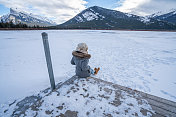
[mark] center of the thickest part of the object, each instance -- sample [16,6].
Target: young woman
[81,59]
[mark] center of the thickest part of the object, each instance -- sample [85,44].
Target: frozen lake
[141,60]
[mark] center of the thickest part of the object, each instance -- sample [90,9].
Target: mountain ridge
[101,18]
[169,16]
[17,16]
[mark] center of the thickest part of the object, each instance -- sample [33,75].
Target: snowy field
[145,61]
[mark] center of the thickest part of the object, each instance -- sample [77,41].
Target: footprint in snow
[155,79]
[166,93]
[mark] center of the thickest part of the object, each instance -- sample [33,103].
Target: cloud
[145,7]
[58,10]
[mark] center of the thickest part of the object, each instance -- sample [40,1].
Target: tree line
[19,25]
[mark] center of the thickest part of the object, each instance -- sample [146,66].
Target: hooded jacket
[81,61]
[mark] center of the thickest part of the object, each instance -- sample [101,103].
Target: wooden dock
[159,107]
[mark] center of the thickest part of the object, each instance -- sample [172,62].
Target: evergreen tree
[19,25]
[11,24]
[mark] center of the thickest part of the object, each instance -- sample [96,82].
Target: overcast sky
[62,10]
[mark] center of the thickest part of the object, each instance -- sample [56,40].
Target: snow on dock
[80,97]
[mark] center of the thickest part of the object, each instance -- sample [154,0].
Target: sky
[62,10]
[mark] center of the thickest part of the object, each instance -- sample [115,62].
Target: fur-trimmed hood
[81,55]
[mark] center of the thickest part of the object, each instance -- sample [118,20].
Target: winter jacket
[81,61]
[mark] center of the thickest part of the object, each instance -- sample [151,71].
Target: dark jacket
[81,61]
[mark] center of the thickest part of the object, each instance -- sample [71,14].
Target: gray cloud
[59,10]
[146,7]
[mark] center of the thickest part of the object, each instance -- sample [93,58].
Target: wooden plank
[162,112]
[159,99]
[164,106]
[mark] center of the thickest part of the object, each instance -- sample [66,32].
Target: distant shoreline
[22,29]
[14,29]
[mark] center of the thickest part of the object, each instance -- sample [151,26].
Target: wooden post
[48,59]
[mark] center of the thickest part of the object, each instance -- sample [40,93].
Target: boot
[96,70]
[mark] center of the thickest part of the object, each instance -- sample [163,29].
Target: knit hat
[82,47]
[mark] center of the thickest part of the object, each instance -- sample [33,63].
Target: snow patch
[88,15]
[145,19]
[129,15]
[79,19]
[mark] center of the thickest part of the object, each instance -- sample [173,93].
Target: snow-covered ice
[142,60]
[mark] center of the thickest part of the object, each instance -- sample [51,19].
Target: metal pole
[48,59]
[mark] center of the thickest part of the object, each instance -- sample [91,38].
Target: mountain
[100,18]
[169,16]
[17,16]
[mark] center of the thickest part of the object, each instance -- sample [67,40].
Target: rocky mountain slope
[169,16]
[100,18]
[17,16]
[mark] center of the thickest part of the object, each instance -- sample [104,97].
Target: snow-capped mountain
[98,13]
[100,18]
[17,16]
[169,16]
